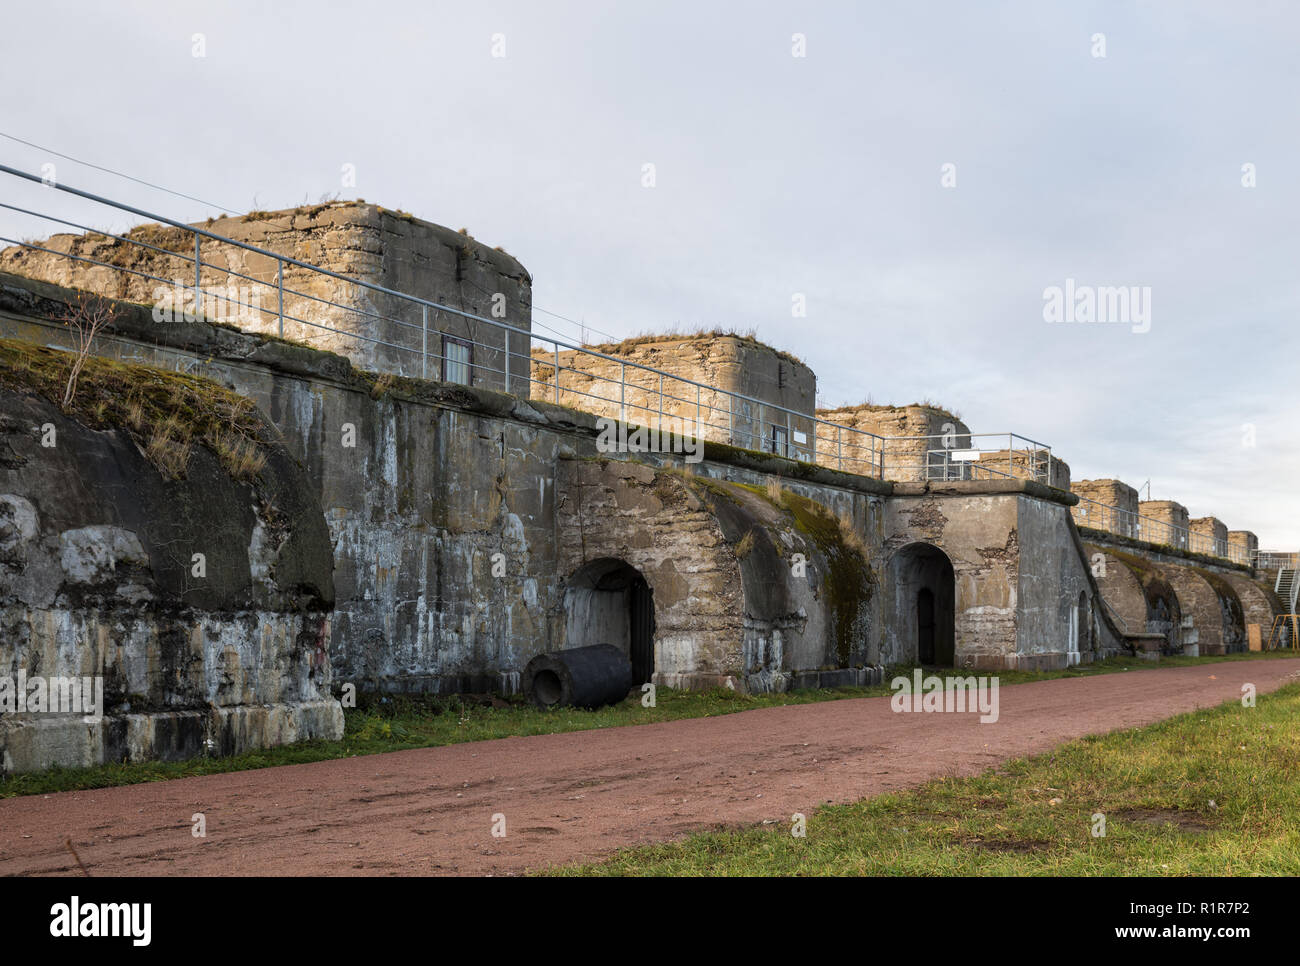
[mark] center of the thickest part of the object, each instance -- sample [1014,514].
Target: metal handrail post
[198,281]
[424,342]
[279,284]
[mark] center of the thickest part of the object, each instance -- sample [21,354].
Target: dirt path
[575,796]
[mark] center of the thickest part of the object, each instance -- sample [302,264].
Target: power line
[180,194]
[583,325]
[98,167]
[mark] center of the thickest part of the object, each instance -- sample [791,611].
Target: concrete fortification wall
[921,435]
[1164,522]
[726,363]
[1118,510]
[1213,533]
[197,604]
[375,245]
[419,536]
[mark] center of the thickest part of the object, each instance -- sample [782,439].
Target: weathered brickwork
[378,246]
[1106,505]
[1209,535]
[919,441]
[1163,521]
[702,372]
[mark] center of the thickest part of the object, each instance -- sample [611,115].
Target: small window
[779,442]
[457,360]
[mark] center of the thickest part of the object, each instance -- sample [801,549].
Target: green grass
[396,724]
[164,412]
[1213,792]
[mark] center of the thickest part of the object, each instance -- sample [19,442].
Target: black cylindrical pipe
[583,677]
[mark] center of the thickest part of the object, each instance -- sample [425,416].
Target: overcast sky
[776,174]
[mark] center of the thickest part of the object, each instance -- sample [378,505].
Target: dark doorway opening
[609,601]
[923,611]
[925,625]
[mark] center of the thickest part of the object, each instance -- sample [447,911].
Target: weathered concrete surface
[375,245]
[721,363]
[1164,612]
[445,507]
[1024,593]
[1210,535]
[1190,606]
[1121,589]
[459,519]
[1218,622]
[732,606]
[1245,542]
[1024,464]
[1164,521]
[1259,604]
[912,434]
[97,580]
[1119,506]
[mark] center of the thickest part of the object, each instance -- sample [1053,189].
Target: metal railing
[393,331]
[1276,560]
[967,456]
[525,363]
[1126,523]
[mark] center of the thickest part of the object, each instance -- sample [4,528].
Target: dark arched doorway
[1081,639]
[925,625]
[923,608]
[608,601]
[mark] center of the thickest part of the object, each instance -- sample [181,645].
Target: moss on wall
[850,582]
[164,412]
[1154,585]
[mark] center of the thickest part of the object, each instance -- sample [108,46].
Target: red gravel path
[579,795]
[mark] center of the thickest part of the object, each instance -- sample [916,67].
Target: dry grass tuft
[775,491]
[166,413]
[852,538]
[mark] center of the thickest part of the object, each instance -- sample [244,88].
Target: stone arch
[608,601]
[1231,611]
[923,604]
[1156,608]
[1122,591]
[1258,605]
[1213,606]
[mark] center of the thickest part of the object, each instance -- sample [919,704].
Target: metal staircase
[1287,587]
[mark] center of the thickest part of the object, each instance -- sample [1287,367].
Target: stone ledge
[38,302]
[1158,550]
[985,487]
[30,742]
[849,677]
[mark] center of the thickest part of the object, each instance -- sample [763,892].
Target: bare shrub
[84,317]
